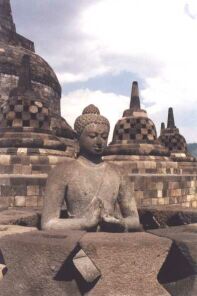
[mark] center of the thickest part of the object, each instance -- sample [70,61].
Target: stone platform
[159,180]
[179,272]
[41,263]
[23,175]
[159,263]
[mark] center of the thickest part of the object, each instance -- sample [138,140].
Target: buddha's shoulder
[64,167]
[113,169]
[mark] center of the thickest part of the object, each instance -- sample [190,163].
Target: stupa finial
[170,123]
[24,82]
[6,20]
[135,100]
[162,127]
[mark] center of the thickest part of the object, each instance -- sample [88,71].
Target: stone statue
[96,196]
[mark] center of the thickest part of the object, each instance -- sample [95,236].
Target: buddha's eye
[104,136]
[92,136]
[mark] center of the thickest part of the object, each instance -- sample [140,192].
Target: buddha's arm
[54,196]
[130,220]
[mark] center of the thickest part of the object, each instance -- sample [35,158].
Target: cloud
[153,40]
[109,104]
[112,106]
[191,9]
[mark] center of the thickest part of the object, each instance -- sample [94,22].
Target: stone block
[161,201]
[18,168]
[194,204]
[146,202]
[17,216]
[3,270]
[19,201]
[6,190]
[32,201]
[129,263]
[6,230]
[154,201]
[86,267]
[26,169]
[33,190]
[11,201]
[159,185]
[38,264]
[170,215]
[186,204]
[5,159]
[179,272]
[166,200]
[4,180]
[4,201]
[40,201]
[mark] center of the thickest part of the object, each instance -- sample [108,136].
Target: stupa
[135,133]
[173,140]
[158,175]
[33,135]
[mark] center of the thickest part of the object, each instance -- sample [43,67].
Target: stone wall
[22,191]
[153,190]
[159,181]
[23,174]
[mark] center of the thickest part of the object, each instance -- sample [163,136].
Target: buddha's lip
[98,148]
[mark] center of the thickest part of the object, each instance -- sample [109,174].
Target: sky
[98,47]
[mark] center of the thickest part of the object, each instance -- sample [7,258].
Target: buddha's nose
[99,141]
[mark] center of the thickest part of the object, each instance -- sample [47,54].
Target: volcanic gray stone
[179,272]
[86,267]
[95,195]
[129,263]
[154,217]
[21,217]
[36,264]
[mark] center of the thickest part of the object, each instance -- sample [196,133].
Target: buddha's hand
[110,219]
[112,223]
[93,212]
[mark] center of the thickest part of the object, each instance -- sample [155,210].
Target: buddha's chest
[80,192]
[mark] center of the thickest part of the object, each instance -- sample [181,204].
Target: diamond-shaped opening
[177,274]
[69,273]
[3,267]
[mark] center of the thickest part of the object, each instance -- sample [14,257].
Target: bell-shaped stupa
[33,135]
[171,138]
[44,81]
[25,118]
[135,133]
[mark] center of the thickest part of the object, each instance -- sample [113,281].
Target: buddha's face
[93,139]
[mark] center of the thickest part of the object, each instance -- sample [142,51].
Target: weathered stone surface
[174,141]
[36,264]
[160,217]
[86,267]
[24,217]
[6,230]
[135,133]
[179,272]
[3,269]
[93,192]
[129,263]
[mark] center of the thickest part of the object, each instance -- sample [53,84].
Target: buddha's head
[92,130]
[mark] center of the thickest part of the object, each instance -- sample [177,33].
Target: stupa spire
[170,123]
[135,100]
[6,20]
[162,127]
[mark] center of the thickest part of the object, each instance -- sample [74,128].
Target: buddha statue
[95,195]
